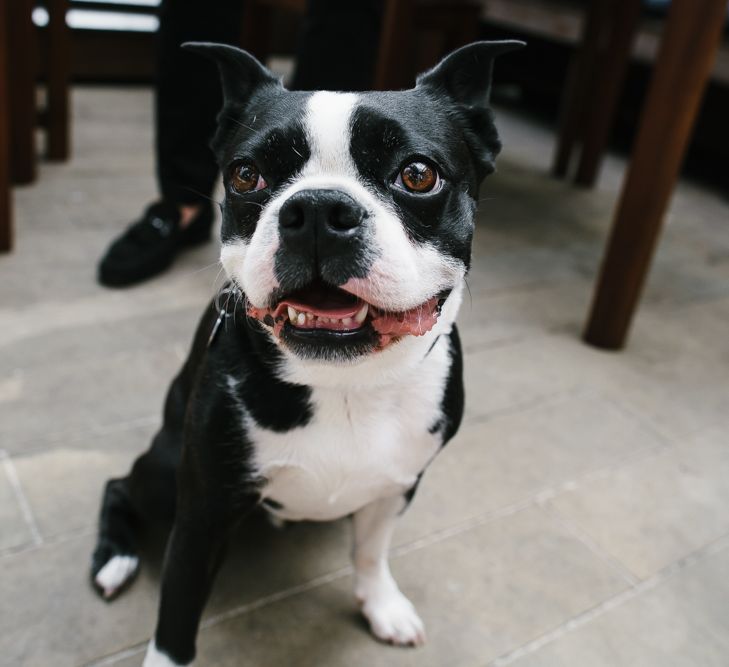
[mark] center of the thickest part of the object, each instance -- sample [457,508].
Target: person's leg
[188,97]
[338,45]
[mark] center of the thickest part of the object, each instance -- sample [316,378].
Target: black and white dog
[347,227]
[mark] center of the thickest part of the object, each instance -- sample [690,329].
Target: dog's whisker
[242,124]
[202,194]
[468,289]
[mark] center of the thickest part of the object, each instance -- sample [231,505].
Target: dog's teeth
[309,316]
[301,319]
[292,314]
[361,314]
[347,321]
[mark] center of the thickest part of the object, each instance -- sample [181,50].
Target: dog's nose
[319,216]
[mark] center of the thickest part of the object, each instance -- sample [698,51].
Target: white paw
[393,619]
[115,574]
[155,657]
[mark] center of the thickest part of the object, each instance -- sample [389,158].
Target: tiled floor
[580,518]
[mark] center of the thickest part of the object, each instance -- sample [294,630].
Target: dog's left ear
[240,72]
[464,78]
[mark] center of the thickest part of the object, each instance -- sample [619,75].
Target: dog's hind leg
[148,492]
[115,560]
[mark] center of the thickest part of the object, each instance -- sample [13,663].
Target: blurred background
[580,517]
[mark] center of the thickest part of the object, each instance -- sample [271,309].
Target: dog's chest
[358,447]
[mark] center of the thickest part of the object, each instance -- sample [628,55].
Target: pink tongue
[415,322]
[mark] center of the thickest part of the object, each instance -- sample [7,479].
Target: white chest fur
[361,444]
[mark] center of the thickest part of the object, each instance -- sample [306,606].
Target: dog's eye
[418,177]
[246,178]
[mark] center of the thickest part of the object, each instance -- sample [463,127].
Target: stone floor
[580,518]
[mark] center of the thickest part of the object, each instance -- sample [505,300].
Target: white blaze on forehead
[328,129]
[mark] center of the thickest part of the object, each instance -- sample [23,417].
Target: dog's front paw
[393,619]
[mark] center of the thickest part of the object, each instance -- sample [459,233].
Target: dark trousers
[337,51]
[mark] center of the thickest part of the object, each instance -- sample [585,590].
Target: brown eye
[246,178]
[418,177]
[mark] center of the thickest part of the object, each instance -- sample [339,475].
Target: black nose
[319,216]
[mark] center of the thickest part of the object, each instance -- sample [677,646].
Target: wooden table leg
[578,86]
[6,214]
[682,69]
[58,74]
[22,66]
[607,84]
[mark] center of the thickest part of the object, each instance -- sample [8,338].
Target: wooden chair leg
[577,89]
[58,73]
[608,80]
[6,219]
[690,41]
[22,67]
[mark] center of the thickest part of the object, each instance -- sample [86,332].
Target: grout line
[534,500]
[579,534]
[473,522]
[646,422]
[276,597]
[113,658]
[88,433]
[524,406]
[12,475]
[59,538]
[598,610]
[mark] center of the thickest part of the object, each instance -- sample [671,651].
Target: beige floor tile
[523,372]
[52,617]
[58,619]
[683,622]
[64,486]
[489,319]
[103,339]
[479,594]
[660,508]
[61,401]
[513,457]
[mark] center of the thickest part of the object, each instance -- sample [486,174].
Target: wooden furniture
[594,86]
[6,229]
[691,39]
[447,23]
[55,117]
[26,59]
[21,66]
[20,58]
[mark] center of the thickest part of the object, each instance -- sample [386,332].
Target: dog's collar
[228,293]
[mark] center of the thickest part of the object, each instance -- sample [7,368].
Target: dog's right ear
[240,72]
[464,78]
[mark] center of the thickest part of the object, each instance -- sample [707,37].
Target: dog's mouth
[324,315]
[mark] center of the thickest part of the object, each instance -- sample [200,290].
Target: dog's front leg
[193,556]
[391,615]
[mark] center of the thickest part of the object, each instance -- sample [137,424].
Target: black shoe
[150,245]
